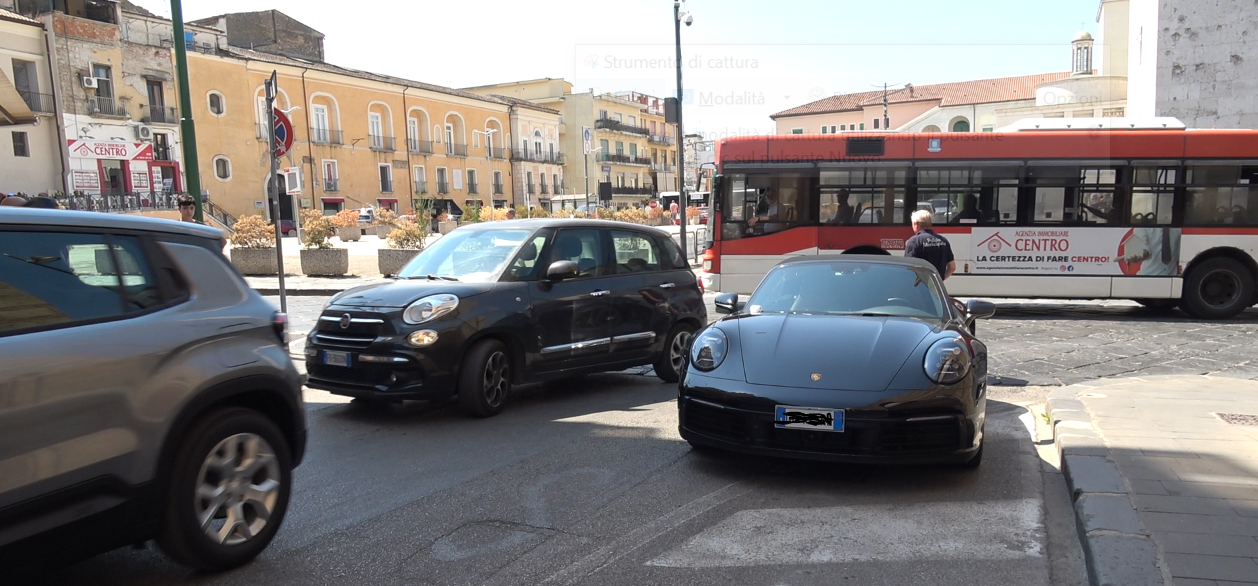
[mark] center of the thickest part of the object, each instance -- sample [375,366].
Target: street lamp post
[678,18]
[188,130]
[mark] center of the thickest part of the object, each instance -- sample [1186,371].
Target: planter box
[655,221]
[382,232]
[447,226]
[325,262]
[391,260]
[255,261]
[349,234]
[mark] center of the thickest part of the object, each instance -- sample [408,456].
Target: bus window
[1222,195]
[1050,204]
[763,203]
[862,196]
[1153,195]
[1098,202]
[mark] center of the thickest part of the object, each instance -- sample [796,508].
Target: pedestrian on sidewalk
[187,209]
[929,246]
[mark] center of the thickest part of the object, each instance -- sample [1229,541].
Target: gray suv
[147,393]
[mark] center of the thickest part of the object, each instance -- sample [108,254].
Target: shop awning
[386,199]
[333,200]
[13,109]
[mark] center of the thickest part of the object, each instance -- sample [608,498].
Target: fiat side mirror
[560,270]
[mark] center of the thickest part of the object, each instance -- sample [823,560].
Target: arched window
[222,168]
[218,105]
[931,128]
[961,126]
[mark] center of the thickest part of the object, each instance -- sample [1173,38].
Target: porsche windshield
[850,288]
[466,255]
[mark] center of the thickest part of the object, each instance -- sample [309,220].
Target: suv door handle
[599,293]
[667,286]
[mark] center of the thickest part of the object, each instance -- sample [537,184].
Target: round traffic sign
[283,133]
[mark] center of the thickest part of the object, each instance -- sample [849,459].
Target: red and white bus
[1162,217]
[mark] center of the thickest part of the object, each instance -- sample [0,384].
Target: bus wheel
[1218,288]
[1159,304]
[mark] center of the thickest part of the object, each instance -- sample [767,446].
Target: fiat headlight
[709,349]
[430,308]
[947,361]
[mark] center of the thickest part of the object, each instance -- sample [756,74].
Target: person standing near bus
[929,246]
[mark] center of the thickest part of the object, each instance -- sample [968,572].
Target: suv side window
[581,246]
[49,279]
[528,262]
[138,282]
[635,252]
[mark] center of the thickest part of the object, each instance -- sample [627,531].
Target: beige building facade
[31,158]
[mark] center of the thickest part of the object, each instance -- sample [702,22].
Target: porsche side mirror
[727,303]
[977,309]
[560,270]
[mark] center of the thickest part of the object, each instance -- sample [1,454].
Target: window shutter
[458,179]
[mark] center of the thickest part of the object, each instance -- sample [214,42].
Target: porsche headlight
[430,308]
[947,361]
[709,349]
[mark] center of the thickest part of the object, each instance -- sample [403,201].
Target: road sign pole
[271,90]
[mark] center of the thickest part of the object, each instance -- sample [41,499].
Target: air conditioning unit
[144,132]
[90,82]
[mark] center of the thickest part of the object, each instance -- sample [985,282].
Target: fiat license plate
[788,417]
[336,358]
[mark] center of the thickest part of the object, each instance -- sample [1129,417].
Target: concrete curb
[1119,551]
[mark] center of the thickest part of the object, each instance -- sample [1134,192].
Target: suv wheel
[228,491]
[485,379]
[673,359]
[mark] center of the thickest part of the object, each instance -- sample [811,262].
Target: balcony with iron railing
[536,157]
[623,159]
[162,153]
[545,189]
[443,187]
[496,152]
[415,146]
[39,103]
[472,188]
[497,189]
[381,143]
[663,168]
[160,114]
[456,149]
[664,140]
[530,188]
[327,136]
[618,126]
[421,187]
[105,106]
[331,185]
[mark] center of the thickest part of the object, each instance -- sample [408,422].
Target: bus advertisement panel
[1151,251]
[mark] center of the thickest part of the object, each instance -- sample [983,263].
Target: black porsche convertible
[845,358]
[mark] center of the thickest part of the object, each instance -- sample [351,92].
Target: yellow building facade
[360,140]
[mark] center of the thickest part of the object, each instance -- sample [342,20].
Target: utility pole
[272,152]
[886,105]
[189,131]
[681,146]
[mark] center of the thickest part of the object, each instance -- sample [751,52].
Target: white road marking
[992,530]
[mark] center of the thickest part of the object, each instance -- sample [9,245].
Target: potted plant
[445,224]
[405,241]
[386,222]
[654,216]
[471,215]
[346,224]
[253,247]
[319,258]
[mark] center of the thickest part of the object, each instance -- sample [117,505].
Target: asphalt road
[587,482]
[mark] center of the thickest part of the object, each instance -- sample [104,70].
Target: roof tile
[982,91]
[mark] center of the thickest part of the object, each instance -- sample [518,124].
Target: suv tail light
[279,322]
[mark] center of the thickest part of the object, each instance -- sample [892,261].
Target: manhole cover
[1239,419]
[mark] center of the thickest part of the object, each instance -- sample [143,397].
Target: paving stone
[1212,524]
[1151,487]
[1211,490]
[1105,512]
[1212,567]
[1244,508]
[1182,504]
[1121,560]
[1220,545]
[1086,474]
[1196,582]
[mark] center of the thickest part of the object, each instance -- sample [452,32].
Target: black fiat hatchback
[501,303]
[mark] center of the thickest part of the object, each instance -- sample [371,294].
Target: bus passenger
[846,212]
[768,212]
[969,211]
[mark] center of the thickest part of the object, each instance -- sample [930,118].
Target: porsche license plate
[336,358]
[808,418]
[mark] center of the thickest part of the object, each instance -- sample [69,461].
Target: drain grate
[1238,419]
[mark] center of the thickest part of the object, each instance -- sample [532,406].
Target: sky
[742,60]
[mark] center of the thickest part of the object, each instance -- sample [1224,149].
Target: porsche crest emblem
[816,376]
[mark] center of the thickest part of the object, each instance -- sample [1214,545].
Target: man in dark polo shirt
[930,247]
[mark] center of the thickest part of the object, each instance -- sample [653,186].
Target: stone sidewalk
[1163,473]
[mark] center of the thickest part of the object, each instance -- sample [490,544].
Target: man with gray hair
[929,246]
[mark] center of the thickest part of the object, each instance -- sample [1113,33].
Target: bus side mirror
[718,191]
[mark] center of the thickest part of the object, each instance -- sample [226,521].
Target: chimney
[909,86]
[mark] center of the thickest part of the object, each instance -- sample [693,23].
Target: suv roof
[43,217]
